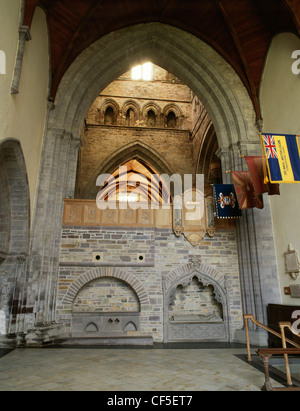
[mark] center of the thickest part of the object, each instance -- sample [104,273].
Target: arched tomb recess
[207,74]
[105,322]
[204,327]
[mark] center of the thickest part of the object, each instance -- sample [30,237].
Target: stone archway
[97,273]
[138,150]
[227,102]
[190,59]
[105,323]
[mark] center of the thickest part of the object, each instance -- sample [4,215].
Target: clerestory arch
[136,150]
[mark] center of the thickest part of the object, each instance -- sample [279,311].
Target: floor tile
[71,369]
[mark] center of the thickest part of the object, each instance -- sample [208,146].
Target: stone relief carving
[207,323]
[292,263]
[196,217]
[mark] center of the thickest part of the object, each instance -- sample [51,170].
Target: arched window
[151,118]
[142,72]
[130,117]
[171,120]
[109,117]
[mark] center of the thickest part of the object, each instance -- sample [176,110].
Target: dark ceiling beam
[240,31]
[293,7]
[236,39]
[29,10]
[61,68]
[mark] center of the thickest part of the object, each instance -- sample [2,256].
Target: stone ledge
[109,341]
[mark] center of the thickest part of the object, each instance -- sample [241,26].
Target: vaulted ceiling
[240,30]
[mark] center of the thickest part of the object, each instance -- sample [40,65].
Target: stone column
[57,179]
[13,302]
[224,155]
[256,247]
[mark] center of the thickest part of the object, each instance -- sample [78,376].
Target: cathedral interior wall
[278,119]
[31,284]
[24,112]
[163,254]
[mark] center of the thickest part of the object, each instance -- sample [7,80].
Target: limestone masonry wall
[163,254]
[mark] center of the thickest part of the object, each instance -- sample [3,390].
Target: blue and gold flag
[282,153]
[226,203]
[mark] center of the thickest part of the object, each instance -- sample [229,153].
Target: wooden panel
[86,213]
[280,313]
[109,217]
[145,218]
[73,214]
[91,214]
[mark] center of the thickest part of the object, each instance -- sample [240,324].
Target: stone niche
[195,303]
[196,311]
[105,307]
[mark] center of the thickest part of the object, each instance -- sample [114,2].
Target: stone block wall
[165,257]
[106,295]
[100,143]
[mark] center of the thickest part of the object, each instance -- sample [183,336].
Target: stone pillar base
[258,338]
[8,341]
[46,334]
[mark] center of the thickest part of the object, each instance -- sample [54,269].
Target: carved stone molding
[24,35]
[195,223]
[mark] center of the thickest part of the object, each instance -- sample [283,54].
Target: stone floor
[94,369]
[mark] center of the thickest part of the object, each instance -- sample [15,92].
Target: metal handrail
[251,317]
[282,336]
[282,326]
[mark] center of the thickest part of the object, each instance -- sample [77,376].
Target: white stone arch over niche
[201,68]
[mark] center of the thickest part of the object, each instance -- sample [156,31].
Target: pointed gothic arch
[208,276]
[138,150]
[207,74]
[216,85]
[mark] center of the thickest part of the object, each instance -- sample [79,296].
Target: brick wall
[164,254]
[101,140]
